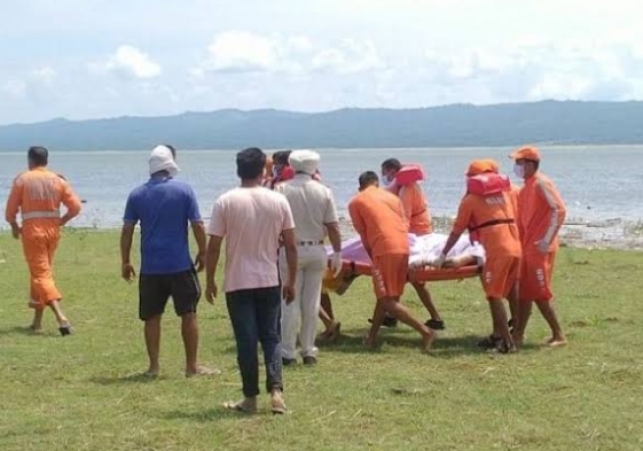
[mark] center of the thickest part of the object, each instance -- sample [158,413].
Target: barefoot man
[164,207]
[37,194]
[541,213]
[378,217]
[491,219]
[252,219]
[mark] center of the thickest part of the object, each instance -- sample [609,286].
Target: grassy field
[82,392]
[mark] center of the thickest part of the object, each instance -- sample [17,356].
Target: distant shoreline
[571,235]
[546,123]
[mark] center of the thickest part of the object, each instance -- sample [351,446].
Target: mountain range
[462,125]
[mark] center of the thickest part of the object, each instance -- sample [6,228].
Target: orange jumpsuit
[378,217]
[416,209]
[541,213]
[495,215]
[37,194]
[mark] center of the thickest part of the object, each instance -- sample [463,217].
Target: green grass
[81,393]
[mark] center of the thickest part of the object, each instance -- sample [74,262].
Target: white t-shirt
[251,221]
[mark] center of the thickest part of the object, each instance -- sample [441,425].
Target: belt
[40,215]
[493,222]
[310,243]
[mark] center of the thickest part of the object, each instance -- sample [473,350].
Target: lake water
[602,186]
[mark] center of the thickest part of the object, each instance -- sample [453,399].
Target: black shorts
[155,290]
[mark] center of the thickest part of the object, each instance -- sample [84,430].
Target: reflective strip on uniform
[40,215]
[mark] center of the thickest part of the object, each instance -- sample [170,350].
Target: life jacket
[410,173]
[488,184]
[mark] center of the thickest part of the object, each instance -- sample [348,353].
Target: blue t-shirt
[164,207]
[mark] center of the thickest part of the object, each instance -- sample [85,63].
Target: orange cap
[526,153]
[481,166]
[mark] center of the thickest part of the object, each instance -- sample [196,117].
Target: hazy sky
[102,58]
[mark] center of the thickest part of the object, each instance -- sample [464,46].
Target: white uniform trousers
[299,319]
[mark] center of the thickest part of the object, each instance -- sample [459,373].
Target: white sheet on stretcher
[424,248]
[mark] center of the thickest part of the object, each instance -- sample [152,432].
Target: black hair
[392,163]
[250,163]
[39,156]
[368,178]
[281,157]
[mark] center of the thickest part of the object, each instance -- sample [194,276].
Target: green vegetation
[547,122]
[83,393]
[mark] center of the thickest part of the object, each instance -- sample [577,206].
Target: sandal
[65,329]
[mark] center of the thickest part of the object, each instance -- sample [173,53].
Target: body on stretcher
[463,261]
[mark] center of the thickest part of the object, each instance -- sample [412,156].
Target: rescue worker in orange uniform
[37,194]
[541,213]
[378,217]
[492,166]
[418,217]
[491,220]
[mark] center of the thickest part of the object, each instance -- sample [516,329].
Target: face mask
[519,170]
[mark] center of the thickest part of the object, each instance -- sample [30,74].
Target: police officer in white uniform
[315,214]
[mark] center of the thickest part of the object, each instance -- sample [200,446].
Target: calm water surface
[599,184]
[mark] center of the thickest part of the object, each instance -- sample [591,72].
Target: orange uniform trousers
[390,273]
[40,239]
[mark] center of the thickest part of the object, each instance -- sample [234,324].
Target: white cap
[306,161]
[161,159]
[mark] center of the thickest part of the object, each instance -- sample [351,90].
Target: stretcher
[464,261]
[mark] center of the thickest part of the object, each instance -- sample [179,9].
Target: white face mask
[519,170]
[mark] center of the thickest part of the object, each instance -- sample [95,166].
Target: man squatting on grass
[164,206]
[252,219]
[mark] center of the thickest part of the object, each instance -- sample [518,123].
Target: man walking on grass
[541,213]
[315,215]
[418,218]
[38,194]
[252,219]
[164,206]
[378,218]
[491,219]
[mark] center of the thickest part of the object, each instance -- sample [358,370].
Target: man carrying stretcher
[488,211]
[418,218]
[378,217]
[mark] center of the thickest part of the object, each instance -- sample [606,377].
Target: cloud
[352,56]
[13,88]
[44,74]
[244,52]
[132,61]
[237,51]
